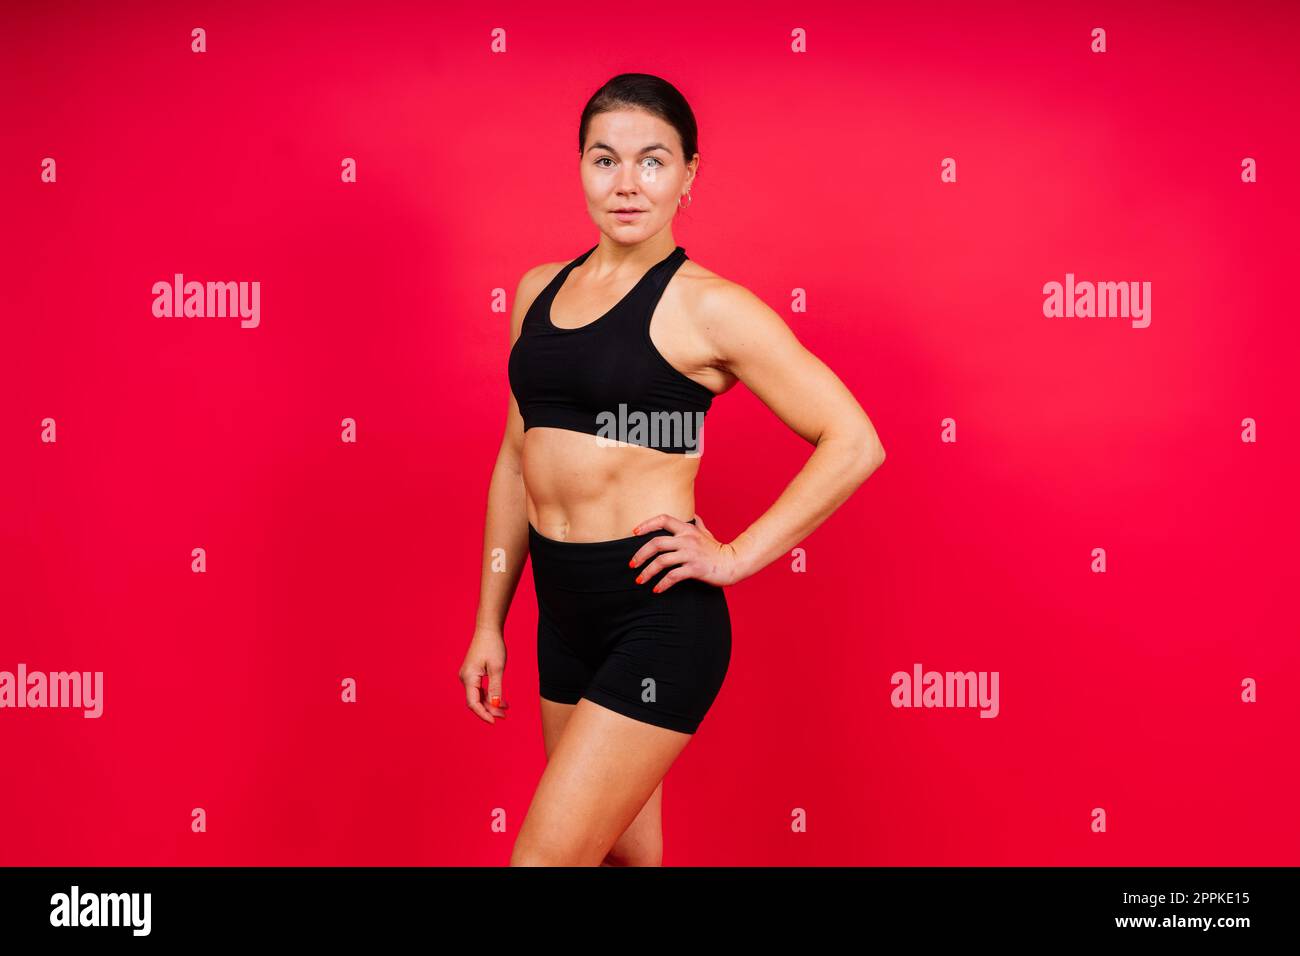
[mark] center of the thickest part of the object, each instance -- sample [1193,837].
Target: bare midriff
[579,490]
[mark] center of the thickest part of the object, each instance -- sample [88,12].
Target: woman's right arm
[505,543]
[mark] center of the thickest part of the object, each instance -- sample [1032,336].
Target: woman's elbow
[871,455]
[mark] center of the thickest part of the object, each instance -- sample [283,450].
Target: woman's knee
[636,859]
[535,856]
[640,853]
[621,854]
[529,853]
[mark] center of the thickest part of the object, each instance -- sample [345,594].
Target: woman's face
[633,160]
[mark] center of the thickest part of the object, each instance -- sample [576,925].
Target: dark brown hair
[647,92]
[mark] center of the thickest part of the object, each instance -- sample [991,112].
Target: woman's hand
[486,655]
[691,547]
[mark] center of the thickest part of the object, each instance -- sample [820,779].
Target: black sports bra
[606,378]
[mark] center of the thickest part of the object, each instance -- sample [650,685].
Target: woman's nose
[632,179]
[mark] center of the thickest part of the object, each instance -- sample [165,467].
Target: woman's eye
[606,159]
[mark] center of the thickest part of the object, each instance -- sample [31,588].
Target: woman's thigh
[602,769]
[642,843]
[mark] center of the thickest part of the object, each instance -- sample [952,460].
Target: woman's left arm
[754,343]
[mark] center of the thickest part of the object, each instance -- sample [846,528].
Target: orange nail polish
[632,563]
[496,701]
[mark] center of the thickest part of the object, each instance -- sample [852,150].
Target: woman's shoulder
[533,281]
[715,297]
[540,275]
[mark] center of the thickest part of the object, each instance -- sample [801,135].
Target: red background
[819,171]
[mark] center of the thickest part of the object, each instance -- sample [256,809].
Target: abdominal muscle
[579,490]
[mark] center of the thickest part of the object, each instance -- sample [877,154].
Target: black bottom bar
[613,907]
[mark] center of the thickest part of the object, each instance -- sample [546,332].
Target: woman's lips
[628,216]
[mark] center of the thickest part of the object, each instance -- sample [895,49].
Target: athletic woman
[615,359]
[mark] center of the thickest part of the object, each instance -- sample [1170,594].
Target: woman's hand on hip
[691,551]
[486,655]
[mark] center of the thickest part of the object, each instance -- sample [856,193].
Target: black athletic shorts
[658,658]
